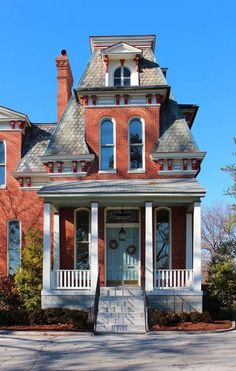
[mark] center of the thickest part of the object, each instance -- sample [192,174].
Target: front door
[122,257]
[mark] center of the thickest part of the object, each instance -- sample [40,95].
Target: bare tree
[218,225]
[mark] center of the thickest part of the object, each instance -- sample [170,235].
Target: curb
[44,333]
[190,332]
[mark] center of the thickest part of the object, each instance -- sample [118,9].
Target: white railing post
[56,264]
[148,247]
[94,245]
[46,248]
[197,246]
[189,241]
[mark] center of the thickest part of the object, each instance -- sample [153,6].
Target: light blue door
[122,257]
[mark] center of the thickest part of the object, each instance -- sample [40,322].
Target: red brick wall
[122,115]
[67,238]
[178,237]
[15,203]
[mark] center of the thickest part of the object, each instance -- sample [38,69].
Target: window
[135,144]
[2,163]
[162,239]
[82,239]
[107,145]
[122,76]
[14,246]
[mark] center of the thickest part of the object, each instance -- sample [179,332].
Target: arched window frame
[113,170]
[75,234]
[113,65]
[142,169]
[122,76]
[155,235]
[3,165]
[8,243]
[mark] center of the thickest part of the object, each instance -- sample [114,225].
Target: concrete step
[121,329]
[120,309]
[109,291]
[119,321]
[128,315]
[129,299]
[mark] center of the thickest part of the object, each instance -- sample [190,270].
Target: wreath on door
[113,244]
[131,249]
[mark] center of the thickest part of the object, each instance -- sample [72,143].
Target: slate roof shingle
[69,137]
[34,144]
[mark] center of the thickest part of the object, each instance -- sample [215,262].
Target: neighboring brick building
[117,177]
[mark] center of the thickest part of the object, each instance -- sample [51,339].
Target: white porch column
[189,241]
[56,221]
[46,248]
[197,246]
[148,247]
[94,244]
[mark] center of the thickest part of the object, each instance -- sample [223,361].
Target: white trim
[136,171]
[143,144]
[3,185]
[85,157]
[113,171]
[177,172]
[197,245]
[94,245]
[189,241]
[75,230]
[46,247]
[187,155]
[148,247]
[155,239]
[123,195]
[119,225]
[69,174]
[112,120]
[8,221]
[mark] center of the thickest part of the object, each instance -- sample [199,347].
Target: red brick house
[114,181]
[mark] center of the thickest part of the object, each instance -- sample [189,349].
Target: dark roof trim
[123,88]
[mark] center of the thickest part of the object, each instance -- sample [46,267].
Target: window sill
[137,171]
[3,187]
[113,171]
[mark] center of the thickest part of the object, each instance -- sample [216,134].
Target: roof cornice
[139,41]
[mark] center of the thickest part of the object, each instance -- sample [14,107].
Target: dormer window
[122,76]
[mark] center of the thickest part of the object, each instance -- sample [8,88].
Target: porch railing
[71,279]
[174,279]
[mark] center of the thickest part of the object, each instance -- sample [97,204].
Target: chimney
[65,82]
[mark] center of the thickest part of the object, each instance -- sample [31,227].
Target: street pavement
[78,351]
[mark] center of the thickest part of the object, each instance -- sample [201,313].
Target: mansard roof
[69,136]
[175,135]
[35,142]
[150,71]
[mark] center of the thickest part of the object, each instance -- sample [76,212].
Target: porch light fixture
[122,234]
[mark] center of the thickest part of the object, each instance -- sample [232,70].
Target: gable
[121,48]
[7,115]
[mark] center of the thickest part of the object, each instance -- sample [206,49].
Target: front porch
[72,281]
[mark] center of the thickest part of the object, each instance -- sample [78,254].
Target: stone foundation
[84,302]
[175,303]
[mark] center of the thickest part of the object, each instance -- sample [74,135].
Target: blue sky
[196,40]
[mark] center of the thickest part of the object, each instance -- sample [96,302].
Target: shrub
[9,296]
[196,317]
[185,317]
[28,278]
[157,317]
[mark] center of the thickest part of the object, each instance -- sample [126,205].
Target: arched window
[162,252]
[82,239]
[107,145]
[2,164]
[122,76]
[14,246]
[136,148]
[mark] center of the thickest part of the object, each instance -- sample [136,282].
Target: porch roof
[124,187]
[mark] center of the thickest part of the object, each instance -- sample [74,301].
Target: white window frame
[155,234]
[111,171]
[143,169]
[122,77]
[130,64]
[75,238]
[3,185]
[8,254]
